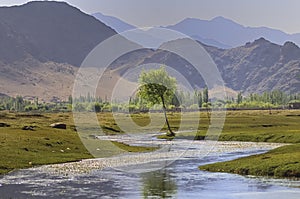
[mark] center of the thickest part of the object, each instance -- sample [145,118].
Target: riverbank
[283,162]
[114,177]
[259,126]
[39,144]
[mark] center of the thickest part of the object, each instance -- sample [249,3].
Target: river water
[169,173]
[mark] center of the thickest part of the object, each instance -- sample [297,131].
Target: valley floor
[41,144]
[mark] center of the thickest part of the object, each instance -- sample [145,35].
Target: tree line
[199,99]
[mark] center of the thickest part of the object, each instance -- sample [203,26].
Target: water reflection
[158,184]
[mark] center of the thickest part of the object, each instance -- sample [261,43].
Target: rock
[2,124]
[28,128]
[59,126]
[25,149]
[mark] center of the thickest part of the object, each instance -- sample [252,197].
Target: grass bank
[280,162]
[40,144]
[260,126]
[282,126]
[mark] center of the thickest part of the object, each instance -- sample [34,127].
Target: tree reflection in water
[158,184]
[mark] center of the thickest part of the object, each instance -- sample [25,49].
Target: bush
[30,108]
[133,108]
[79,107]
[98,107]
[106,108]
[194,107]
[114,107]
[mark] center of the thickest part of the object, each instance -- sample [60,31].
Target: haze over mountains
[44,43]
[219,32]
[230,33]
[117,24]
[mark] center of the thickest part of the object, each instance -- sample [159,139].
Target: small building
[294,105]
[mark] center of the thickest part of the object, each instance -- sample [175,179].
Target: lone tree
[157,87]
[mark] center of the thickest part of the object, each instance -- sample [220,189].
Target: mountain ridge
[259,66]
[115,23]
[46,30]
[255,67]
[206,31]
[229,32]
[42,48]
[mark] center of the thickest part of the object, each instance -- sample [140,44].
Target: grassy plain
[45,145]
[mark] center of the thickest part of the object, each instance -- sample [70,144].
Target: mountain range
[219,31]
[255,67]
[230,33]
[44,43]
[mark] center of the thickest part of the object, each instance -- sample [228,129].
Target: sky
[279,14]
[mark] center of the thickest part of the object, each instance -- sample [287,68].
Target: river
[170,173]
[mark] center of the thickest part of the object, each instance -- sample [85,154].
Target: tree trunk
[208,115]
[167,121]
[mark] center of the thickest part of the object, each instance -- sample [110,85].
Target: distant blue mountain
[227,33]
[219,32]
[149,38]
[211,42]
[117,24]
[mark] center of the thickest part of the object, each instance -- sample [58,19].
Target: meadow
[42,144]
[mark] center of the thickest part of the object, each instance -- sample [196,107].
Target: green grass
[250,126]
[260,126]
[133,149]
[280,162]
[45,145]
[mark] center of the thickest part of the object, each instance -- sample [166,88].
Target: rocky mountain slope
[260,66]
[49,31]
[31,77]
[255,67]
[42,45]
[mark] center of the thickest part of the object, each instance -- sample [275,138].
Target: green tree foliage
[200,99]
[183,99]
[205,95]
[239,98]
[157,87]
[175,101]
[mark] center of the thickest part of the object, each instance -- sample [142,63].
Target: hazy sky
[279,14]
